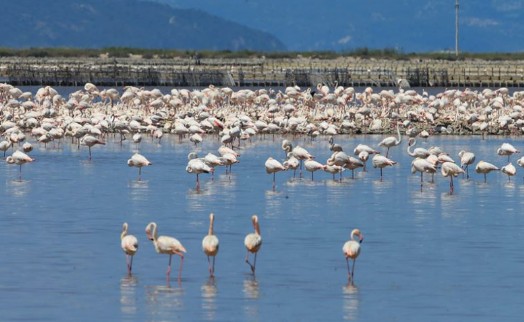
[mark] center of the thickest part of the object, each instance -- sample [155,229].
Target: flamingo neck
[211,222]
[124,232]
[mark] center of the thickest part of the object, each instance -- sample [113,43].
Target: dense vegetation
[121,52]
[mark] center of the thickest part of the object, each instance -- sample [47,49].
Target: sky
[404,25]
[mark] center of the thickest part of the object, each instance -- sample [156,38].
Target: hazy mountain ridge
[407,25]
[124,23]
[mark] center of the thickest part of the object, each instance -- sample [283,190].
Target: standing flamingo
[18,157]
[198,166]
[210,245]
[466,158]
[89,141]
[273,166]
[422,165]
[166,245]
[485,168]
[253,242]
[391,141]
[129,245]
[509,169]
[351,250]
[139,161]
[380,161]
[507,149]
[450,169]
[312,166]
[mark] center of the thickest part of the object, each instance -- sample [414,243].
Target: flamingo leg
[380,174]
[451,185]
[180,269]
[485,179]
[274,174]
[89,153]
[139,173]
[421,181]
[197,183]
[353,269]
[169,267]
[349,270]
[213,274]
[20,173]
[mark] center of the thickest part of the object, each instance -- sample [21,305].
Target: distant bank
[260,72]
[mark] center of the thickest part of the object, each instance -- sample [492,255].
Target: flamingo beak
[361,239]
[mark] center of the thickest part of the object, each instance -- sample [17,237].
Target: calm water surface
[426,256]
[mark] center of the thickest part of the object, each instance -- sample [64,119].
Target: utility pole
[456,28]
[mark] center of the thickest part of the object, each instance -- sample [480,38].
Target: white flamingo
[210,245]
[253,242]
[351,250]
[485,168]
[129,244]
[391,141]
[138,160]
[450,169]
[272,167]
[166,245]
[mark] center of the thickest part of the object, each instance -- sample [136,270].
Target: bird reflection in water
[19,188]
[251,288]
[252,293]
[128,298]
[351,301]
[209,293]
[139,189]
[164,301]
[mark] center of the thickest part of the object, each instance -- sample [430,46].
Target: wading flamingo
[380,161]
[139,161]
[507,149]
[391,141]
[466,158]
[273,166]
[422,165]
[351,250]
[129,245]
[20,158]
[485,168]
[450,169]
[253,242]
[166,245]
[210,245]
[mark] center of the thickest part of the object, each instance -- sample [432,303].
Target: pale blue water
[426,256]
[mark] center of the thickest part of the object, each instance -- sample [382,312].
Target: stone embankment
[259,72]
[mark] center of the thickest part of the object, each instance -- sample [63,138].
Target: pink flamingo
[166,245]
[351,250]
[210,245]
[129,245]
[253,242]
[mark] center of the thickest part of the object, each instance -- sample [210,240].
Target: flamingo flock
[89,116]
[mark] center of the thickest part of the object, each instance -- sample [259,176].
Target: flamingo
[312,166]
[450,169]
[273,166]
[422,165]
[391,141]
[466,158]
[485,168]
[417,152]
[139,161]
[520,162]
[90,141]
[292,163]
[5,145]
[509,170]
[20,158]
[129,245]
[301,154]
[334,169]
[166,245]
[210,245]
[253,242]
[198,166]
[507,149]
[380,161]
[351,250]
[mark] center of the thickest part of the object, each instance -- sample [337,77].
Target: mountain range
[265,25]
[404,25]
[124,23]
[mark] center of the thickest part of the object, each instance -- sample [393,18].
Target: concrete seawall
[256,72]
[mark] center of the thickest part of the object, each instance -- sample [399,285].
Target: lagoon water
[426,256]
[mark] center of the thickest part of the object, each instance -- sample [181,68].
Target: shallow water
[427,255]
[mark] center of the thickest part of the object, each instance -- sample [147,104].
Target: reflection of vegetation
[387,53]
